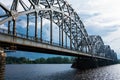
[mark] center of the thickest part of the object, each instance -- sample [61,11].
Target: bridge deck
[34,46]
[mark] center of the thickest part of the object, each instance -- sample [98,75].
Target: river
[59,72]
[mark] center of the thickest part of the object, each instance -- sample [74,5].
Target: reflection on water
[60,72]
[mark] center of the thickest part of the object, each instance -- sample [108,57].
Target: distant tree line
[51,60]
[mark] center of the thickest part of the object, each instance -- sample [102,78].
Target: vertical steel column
[82,46]
[14,27]
[65,36]
[36,24]
[76,38]
[9,27]
[41,25]
[66,40]
[62,30]
[59,36]
[51,26]
[27,33]
[90,48]
[87,49]
[70,35]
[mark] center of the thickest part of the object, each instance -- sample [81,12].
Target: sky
[100,17]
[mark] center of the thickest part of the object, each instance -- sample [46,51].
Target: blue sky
[100,17]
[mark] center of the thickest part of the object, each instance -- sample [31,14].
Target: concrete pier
[84,63]
[2,64]
[88,63]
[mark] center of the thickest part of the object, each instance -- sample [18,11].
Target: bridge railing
[3,31]
[20,35]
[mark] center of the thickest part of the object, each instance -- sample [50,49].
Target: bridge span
[73,39]
[24,44]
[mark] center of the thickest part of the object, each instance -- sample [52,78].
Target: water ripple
[60,72]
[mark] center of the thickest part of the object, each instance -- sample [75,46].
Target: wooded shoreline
[50,60]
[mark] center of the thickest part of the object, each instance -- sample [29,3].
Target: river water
[60,72]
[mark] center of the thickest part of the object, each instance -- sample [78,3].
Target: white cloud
[107,20]
[7,3]
[113,39]
[3,27]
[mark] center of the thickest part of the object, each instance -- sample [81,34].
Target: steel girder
[97,45]
[99,49]
[57,11]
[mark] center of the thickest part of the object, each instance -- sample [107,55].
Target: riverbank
[51,60]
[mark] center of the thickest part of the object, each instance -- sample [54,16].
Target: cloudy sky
[100,17]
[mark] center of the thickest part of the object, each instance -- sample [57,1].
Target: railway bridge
[51,26]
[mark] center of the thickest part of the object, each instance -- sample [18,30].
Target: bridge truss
[58,12]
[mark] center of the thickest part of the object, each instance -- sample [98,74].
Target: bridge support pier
[2,64]
[106,62]
[88,63]
[85,63]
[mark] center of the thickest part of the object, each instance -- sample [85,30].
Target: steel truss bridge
[73,38]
